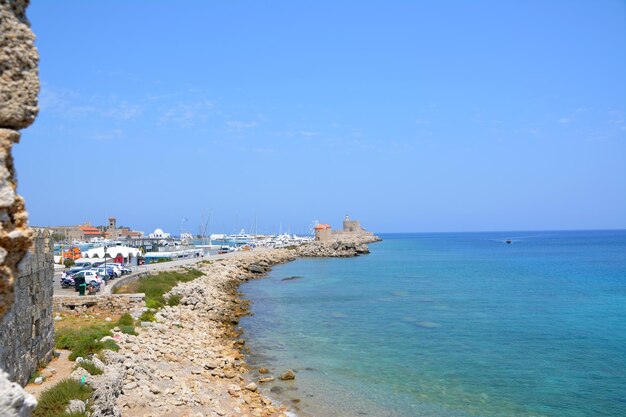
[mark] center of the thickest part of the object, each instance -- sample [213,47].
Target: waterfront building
[351,228]
[322,232]
[159,234]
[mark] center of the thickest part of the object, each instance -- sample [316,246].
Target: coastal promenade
[141,269]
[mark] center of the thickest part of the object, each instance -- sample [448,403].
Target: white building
[159,234]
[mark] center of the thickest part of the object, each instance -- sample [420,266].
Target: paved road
[143,268]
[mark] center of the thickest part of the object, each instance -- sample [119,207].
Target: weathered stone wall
[27,331]
[114,304]
[19,86]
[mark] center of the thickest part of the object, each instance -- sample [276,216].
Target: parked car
[116,269]
[102,264]
[105,272]
[73,270]
[125,270]
[89,275]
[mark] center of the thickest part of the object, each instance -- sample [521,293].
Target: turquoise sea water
[450,325]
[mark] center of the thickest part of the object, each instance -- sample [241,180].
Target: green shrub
[126,320]
[128,330]
[155,286]
[68,262]
[147,316]
[54,400]
[88,346]
[154,303]
[173,300]
[89,367]
[84,340]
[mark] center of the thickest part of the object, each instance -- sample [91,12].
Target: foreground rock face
[19,86]
[191,361]
[19,80]
[14,401]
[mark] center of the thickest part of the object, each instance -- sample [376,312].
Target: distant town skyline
[411,117]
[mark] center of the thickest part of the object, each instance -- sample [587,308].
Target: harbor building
[323,233]
[159,234]
[351,228]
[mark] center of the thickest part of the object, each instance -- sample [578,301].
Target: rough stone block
[19,80]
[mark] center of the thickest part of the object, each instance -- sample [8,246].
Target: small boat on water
[508,241]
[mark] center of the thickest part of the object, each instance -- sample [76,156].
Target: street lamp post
[105,261]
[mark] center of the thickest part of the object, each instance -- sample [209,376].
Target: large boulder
[14,401]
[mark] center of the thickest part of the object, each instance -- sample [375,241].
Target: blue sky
[411,116]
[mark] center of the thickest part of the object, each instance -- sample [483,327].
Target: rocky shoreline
[190,362]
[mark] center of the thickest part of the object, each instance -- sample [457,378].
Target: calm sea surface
[450,325]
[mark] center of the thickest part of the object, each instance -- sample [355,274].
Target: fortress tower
[352,226]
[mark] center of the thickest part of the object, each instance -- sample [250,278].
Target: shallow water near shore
[449,325]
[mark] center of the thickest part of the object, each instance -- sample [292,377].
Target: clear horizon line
[506,231]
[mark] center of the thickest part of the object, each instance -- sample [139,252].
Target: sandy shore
[191,361]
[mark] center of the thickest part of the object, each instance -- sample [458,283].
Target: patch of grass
[84,340]
[36,375]
[128,330]
[89,367]
[155,286]
[80,320]
[173,300]
[126,320]
[54,400]
[147,316]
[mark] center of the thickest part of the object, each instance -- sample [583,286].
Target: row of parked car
[94,274]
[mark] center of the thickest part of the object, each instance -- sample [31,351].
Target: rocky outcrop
[107,387]
[14,401]
[15,237]
[191,360]
[19,79]
[336,249]
[19,86]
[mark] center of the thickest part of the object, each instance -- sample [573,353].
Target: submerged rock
[294,278]
[288,375]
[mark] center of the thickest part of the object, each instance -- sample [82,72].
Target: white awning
[112,252]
